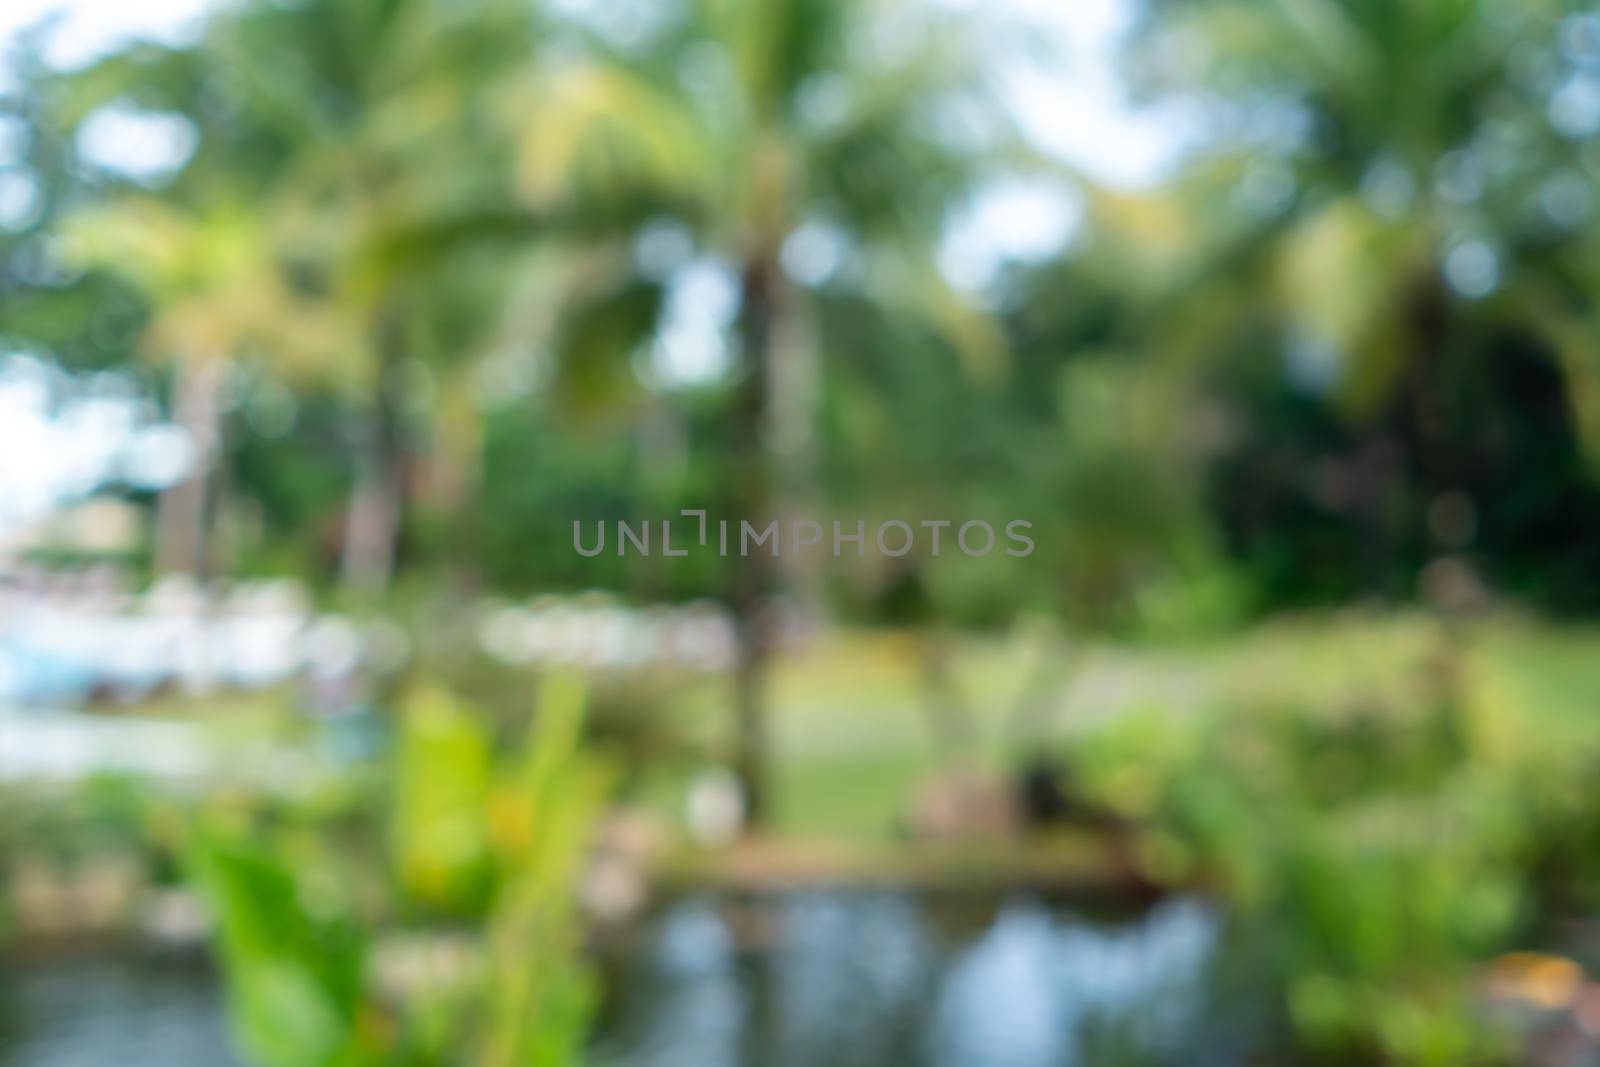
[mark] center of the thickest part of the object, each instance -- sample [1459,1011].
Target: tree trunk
[455,487]
[184,511]
[377,499]
[791,430]
[751,500]
[950,721]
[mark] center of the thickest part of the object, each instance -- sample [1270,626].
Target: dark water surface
[841,979]
[112,1012]
[888,979]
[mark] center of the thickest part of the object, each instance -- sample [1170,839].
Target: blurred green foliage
[323,971]
[416,294]
[445,249]
[1376,849]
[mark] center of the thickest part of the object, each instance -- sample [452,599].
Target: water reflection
[843,979]
[135,1012]
[867,979]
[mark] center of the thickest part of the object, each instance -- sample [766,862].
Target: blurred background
[325,324]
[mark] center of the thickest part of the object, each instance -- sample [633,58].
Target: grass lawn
[853,737]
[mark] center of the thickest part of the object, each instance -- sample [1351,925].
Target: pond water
[869,979]
[847,979]
[128,1011]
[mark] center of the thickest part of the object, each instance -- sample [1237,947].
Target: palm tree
[752,128]
[1393,189]
[218,291]
[349,128]
[384,172]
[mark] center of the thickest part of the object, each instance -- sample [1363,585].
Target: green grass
[848,797]
[853,740]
